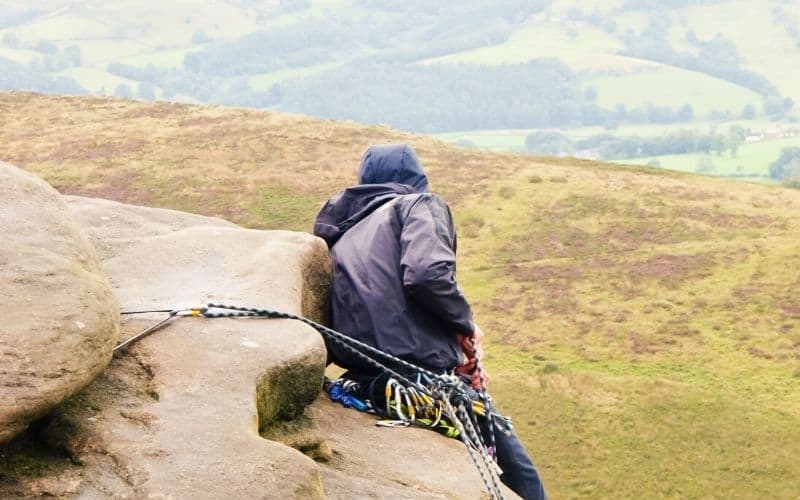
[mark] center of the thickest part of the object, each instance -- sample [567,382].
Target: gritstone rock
[60,319]
[178,414]
[212,408]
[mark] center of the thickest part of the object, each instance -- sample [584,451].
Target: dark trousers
[519,473]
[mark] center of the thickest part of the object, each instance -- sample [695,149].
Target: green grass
[675,87]
[21,56]
[704,126]
[100,53]
[64,26]
[592,48]
[97,79]
[750,163]
[266,80]
[169,58]
[751,159]
[281,208]
[514,139]
[765,47]
[627,370]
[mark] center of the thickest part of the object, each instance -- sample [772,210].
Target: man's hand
[472,346]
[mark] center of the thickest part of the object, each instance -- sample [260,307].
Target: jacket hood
[396,163]
[386,172]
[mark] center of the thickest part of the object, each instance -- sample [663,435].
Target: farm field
[751,161]
[746,163]
[703,93]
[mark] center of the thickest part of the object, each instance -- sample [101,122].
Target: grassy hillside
[643,326]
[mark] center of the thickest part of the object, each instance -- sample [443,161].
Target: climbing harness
[439,401]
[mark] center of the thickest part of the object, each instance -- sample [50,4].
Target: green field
[266,80]
[514,140]
[747,23]
[99,79]
[591,49]
[749,160]
[171,58]
[16,55]
[675,87]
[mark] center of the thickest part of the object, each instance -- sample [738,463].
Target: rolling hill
[643,325]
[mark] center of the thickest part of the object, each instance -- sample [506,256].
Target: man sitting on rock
[393,246]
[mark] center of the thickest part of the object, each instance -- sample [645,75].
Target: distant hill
[482,74]
[643,325]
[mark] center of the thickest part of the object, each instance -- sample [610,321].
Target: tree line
[441,98]
[15,76]
[396,31]
[612,147]
[787,166]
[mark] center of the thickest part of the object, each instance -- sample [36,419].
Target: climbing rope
[418,402]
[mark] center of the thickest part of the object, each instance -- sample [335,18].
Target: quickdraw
[425,401]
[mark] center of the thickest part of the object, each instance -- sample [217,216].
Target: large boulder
[60,319]
[219,408]
[178,414]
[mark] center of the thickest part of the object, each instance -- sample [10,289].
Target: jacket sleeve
[428,263]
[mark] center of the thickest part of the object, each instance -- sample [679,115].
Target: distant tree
[705,166]
[654,164]
[200,37]
[776,105]
[572,33]
[123,90]
[748,112]
[590,93]
[686,113]
[702,144]
[146,91]
[610,125]
[72,56]
[574,14]
[719,115]
[596,18]
[11,40]
[46,47]
[15,76]
[787,166]
[294,5]
[736,137]
[718,143]
[466,143]
[621,111]
[547,142]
